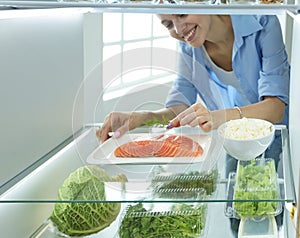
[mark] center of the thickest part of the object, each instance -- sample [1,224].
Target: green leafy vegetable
[256,182]
[82,215]
[155,121]
[182,221]
[188,183]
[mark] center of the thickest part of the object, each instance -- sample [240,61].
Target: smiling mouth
[189,37]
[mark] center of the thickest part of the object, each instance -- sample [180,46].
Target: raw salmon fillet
[160,146]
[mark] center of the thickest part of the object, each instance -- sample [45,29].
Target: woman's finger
[173,123]
[98,133]
[194,123]
[109,122]
[206,127]
[188,119]
[121,130]
[178,120]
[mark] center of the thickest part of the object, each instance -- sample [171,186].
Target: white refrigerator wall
[294,100]
[294,126]
[41,69]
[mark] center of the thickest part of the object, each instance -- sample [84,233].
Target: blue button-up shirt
[259,63]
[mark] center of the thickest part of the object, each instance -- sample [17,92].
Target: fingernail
[169,126]
[110,133]
[116,134]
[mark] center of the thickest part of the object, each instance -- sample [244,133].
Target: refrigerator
[51,108]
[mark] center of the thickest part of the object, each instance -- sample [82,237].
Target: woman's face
[192,29]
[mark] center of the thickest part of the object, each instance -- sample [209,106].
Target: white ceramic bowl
[246,138]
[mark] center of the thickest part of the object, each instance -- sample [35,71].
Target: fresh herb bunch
[169,186]
[182,221]
[256,182]
[155,121]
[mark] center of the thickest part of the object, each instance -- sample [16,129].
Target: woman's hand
[195,115]
[121,122]
[118,123]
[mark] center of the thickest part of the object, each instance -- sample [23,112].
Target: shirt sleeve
[183,90]
[275,72]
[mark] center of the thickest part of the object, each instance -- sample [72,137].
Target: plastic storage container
[256,180]
[178,220]
[272,1]
[138,1]
[192,181]
[185,185]
[197,1]
[256,1]
[242,1]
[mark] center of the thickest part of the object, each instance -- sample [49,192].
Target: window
[131,43]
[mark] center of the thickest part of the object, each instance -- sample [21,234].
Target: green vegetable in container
[82,215]
[181,221]
[257,182]
[185,184]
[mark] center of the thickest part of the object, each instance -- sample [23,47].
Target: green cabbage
[83,216]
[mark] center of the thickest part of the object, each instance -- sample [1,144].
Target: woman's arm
[121,122]
[270,109]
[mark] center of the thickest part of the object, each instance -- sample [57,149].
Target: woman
[236,64]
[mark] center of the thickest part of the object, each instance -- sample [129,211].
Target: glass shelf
[146,182]
[189,8]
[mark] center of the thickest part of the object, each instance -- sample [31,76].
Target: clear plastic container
[193,183]
[264,228]
[176,220]
[82,1]
[242,1]
[272,1]
[256,180]
[197,1]
[256,1]
[138,1]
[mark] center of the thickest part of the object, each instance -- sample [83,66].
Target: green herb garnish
[189,184]
[155,121]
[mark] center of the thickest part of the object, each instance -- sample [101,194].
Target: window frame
[113,91]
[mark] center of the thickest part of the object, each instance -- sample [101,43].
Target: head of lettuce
[83,216]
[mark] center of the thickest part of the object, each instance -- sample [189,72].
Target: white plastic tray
[104,153]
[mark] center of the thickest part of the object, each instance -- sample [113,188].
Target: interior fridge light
[22,13]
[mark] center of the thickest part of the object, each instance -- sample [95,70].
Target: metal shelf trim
[157,8]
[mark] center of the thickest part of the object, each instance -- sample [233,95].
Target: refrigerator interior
[46,58]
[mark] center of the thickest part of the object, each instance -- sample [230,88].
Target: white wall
[41,64]
[149,95]
[152,97]
[92,83]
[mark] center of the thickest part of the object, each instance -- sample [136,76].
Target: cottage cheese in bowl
[247,129]
[246,138]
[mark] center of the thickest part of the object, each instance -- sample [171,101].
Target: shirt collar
[245,25]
